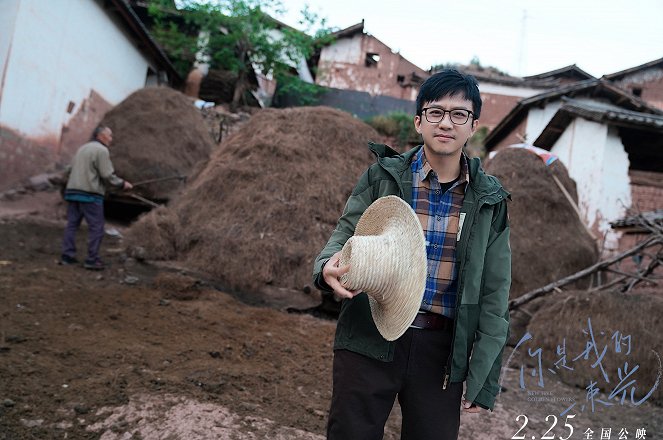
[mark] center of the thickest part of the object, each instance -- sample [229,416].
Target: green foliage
[449,65]
[175,34]
[233,35]
[474,65]
[297,91]
[476,144]
[399,125]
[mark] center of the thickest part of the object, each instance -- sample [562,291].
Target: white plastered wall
[60,51]
[538,119]
[344,50]
[596,159]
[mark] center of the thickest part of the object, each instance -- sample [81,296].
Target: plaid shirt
[439,214]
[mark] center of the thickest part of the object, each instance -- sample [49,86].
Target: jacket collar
[396,164]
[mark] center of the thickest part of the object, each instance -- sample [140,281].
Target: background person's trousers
[94,216]
[364,391]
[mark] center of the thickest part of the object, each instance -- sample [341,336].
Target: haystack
[627,326]
[157,133]
[267,201]
[548,239]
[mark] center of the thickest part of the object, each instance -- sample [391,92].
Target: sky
[517,36]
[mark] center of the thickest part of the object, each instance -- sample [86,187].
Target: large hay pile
[267,201]
[638,319]
[157,133]
[548,240]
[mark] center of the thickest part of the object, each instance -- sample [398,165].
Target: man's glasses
[435,115]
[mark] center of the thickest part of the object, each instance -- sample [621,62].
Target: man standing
[461,329]
[91,172]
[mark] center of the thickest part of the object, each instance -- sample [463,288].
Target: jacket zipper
[447,367]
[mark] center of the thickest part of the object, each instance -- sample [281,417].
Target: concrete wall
[63,52]
[359,104]
[596,159]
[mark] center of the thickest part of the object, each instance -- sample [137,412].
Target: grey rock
[131,280]
[40,182]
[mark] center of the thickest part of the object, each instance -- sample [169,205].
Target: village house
[644,81]
[356,60]
[62,66]
[501,92]
[609,140]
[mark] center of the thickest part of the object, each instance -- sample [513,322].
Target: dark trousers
[364,391]
[94,216]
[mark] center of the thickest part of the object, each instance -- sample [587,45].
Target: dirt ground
[140,351]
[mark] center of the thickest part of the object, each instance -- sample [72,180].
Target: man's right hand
[127,186]
[332,274]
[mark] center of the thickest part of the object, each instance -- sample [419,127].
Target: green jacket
[484,255]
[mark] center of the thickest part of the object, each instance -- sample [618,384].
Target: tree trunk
[242,77]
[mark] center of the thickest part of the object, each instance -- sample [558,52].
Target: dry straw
[265,203]
[387,258]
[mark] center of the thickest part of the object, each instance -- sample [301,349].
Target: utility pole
[523,44]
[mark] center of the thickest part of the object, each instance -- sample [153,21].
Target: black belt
[432,321]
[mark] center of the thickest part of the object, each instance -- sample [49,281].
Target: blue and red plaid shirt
[439,214]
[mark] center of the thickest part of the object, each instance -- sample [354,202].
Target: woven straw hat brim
[387,257]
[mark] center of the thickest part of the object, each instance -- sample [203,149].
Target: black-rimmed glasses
[458,116]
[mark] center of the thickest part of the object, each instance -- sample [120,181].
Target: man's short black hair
[97,131]
[450,82]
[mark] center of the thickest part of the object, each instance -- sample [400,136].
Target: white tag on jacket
[461,220]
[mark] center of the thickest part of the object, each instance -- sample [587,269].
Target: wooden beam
[601,265]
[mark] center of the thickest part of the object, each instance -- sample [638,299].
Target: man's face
[105,137]
[445,138]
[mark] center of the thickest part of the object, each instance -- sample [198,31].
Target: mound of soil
[618,343]
[267,201]
[548,239]
[157,133]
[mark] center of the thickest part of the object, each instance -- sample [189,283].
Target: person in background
[91,173]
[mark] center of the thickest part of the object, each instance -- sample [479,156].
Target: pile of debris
[158,137]
[266,202]
[221,122]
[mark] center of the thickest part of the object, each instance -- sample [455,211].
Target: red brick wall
[495,107]
[650,81]
[514,137]
[643,198]
[646,198]
[21,157]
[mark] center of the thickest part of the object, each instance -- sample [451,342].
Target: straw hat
[387,258]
